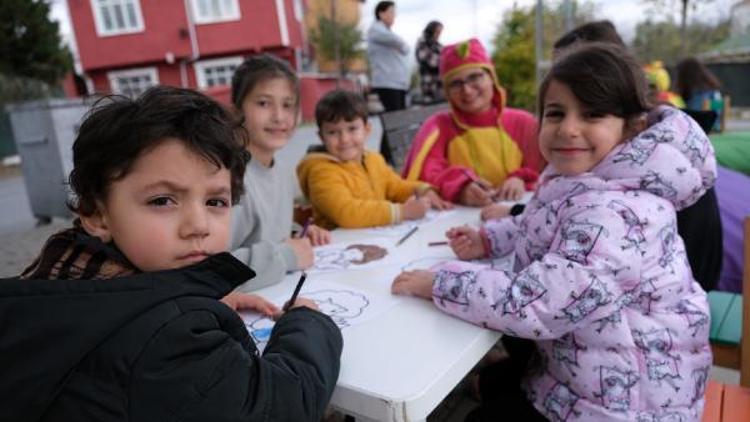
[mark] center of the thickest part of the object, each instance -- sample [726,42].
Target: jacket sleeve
[200,367]
[584,278]
[270,260]
[501,235]
[379,34]
[397,189]
[329,193]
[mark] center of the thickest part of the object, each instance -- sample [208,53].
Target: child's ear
[368,128]
[96,225]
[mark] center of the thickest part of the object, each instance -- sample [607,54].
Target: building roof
[733,49]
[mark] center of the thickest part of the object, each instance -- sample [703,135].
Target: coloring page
[347,307]
[353,256]
[401,229]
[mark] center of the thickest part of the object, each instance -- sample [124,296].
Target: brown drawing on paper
[327,259]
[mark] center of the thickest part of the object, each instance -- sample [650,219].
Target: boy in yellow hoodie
[350,187]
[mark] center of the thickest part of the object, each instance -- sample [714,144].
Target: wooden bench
[726,403]
[400,127]
[730,344]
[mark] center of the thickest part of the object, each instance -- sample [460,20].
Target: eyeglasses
[473,80]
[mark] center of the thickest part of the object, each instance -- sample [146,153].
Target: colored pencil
[305,226]
[441,243]
[296,291]
[407,235]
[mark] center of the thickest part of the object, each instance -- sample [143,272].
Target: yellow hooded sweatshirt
[353,194]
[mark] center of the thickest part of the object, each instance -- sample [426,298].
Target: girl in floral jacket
[601,282]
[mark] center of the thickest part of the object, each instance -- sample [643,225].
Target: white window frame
[102,31]
[231,14]
[201,66]
[114,75]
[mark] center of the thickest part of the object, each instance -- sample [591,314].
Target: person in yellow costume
[350,187]
[479,150]
[659,82]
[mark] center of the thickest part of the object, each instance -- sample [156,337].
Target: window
[216,72]
[115,17]
[133,82]
[209,11]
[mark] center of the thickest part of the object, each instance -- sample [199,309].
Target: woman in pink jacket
[601,283]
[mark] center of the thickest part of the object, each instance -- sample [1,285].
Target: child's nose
[194,222]
[277,112]
[569,127]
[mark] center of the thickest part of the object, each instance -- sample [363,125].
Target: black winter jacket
[157,347]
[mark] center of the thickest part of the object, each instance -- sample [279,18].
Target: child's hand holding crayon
[318,236]
[477,193]
[413,209]
[247,302]
[434,201]
[303,251]
[466,242]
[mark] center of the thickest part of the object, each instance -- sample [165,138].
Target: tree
[337,41]
[664,40]
[513,44]
[30,45]
[514,57]
[668,8]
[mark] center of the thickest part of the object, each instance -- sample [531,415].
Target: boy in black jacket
[119,318]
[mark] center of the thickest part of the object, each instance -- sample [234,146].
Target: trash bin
[44,131]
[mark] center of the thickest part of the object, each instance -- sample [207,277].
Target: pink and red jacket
[601,282]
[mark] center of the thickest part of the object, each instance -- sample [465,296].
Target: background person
[388,55]
[428,58]
[480,150]
[699,88]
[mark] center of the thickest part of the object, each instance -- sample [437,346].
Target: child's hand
[303,251]
[318,236]
[247,302]
[415,283]
[494,211]
[476,194]
[434,201]
[413,209]
[466,242]
[511,190]
[302,301]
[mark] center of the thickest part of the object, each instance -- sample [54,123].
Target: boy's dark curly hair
[118,130]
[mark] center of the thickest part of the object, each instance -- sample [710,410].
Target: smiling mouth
[569,151]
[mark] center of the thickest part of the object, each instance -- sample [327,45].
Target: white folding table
[401,364]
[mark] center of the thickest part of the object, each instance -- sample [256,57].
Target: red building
[126,46]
